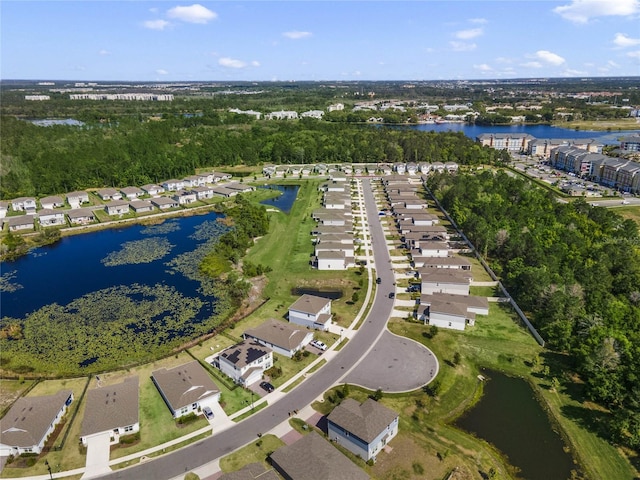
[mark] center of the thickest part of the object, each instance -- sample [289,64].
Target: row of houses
[77,199]
[445,275]
[86,215]
[617,173]
[246,362]
[111,410]
[333,237]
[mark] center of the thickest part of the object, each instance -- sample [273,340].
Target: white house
[109,194]
[203,192]
[445,280]
[51,218]
[22,222]
[141,206]
[81,216]
[311,311]
[51,202]
[173,185]
[184,197]
[186,388]
[472,303]
[164,203]
[112,410]
[245,362]
[4,208]
[75,199]
[117,207]
[283,338]
[363,429]
[30,421]
[24,204]
[152,189]
[330,260]
[282,115]
[132,192]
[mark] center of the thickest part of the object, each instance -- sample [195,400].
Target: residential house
[24,204]
[22,222]
[107,194]
[311,311]
[186,388]
[193,181]
[152,189]
[330,260]
[239,187]
[445,314]
[30,421]
[117,207]
[141,206]
[224,191]
[76,199]
[4,208]
[51,218]
[472,303]
[184,197]
[202,193]
[445,280]
[245,362]
[173,185]
[268,170]
[630,143]
[111,410]
[164,203]
[221,177]
[252,471]
[283,338]
[282,115]
[132,193]
[312,457]
[455,262]
[81,216]
[51,202]
[206,177]
[362,428]
[512,142]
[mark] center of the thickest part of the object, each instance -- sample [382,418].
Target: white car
[318,344]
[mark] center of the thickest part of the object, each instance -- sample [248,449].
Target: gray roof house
[22,222]
[363,429]
[313,458]
[51,202]
[445,280]
[30,422]
[311,311]
[112,410]
[186,388]
[283,338]
[81,216]
[245,362]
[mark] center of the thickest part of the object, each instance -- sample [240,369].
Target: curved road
[221,444]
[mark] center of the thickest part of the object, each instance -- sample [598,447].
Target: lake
[80,264]
[509,417]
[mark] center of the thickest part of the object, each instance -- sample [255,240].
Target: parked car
[392,295]
[208,412]
[378,280]
[318,344]
[267,386]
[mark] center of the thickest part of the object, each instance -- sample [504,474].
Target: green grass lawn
[10,390]
[256,452]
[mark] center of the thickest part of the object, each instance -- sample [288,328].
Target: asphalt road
[219,445]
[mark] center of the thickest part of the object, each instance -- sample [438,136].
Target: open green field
[10,390]
[601,125]
[630,212]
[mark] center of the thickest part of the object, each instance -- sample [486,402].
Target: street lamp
[48,468]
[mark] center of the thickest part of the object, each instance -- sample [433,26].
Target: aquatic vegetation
[103,330]
[161,228]
[139,251]
[6,282]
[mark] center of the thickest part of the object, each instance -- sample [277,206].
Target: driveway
[98,450]
[395,364]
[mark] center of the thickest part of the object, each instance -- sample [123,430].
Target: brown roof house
[186,388]
[312,312]
[363,429]
[245,362]
[30,421]
[112,410]
[283,338]
[313,458]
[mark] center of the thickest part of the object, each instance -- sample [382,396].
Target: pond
[330,294]
[284,201]
[509,417]
[115,287]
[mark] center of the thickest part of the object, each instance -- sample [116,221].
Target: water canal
[509,417]
[284,201]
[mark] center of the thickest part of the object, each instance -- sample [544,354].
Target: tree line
[575,269]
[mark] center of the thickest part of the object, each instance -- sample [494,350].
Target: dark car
[392,295]
[378,280]
[267,386]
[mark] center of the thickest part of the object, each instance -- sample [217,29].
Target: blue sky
[317,40]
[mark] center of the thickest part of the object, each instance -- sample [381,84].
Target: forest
[575,270]
[39,161]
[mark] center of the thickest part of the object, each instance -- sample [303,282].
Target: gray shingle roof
[309,304]
[313,458]
[245,353]
[111,407]
[284,335]
[185,384]
[29,418]
[366,421]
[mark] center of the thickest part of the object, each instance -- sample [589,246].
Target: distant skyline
[171,41]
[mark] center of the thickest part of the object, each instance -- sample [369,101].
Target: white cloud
[574,73]
[622,40]
[296,35]
[635,54]
[483,67]
[479,21]
[532,64]
[231,63]
[195,13]
[613,64]
[581,11]
[549,57]
[104,52]
[155,24]
[255,63]
[462,46]
[162,71]
[468,34]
